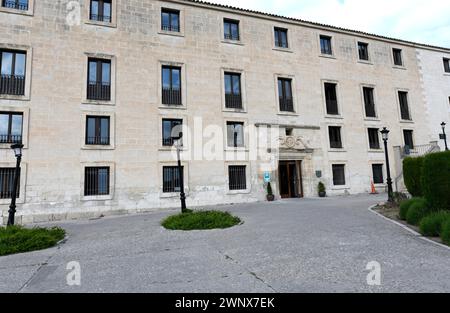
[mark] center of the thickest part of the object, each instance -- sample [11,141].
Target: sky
[423,21]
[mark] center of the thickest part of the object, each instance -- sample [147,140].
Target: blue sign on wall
[267,177]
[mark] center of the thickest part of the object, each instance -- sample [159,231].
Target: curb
[412,231]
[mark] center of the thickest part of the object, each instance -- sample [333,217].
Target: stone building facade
[92,88]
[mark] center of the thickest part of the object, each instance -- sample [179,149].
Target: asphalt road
[311,245]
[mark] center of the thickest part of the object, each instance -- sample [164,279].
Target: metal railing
[96,181]
[99,91]
[286,105]
[171,96]
[100,18]
[170,28]
[232,37]
[237,177]
[7,182]
[233,101]
[97,140]
[13,4]
[10,139]
[421,150]
[12,85]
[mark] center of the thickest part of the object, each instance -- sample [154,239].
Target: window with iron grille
[369,102]
[99,79]
[96,181]
[404,106]
[235,133]
[339,175]
[285,95]
[98,130]
[101,10]
[281,38]
[408,136]
[231,29]
[170,128]
[12,75]
[170,20]
[237,177]
[363,50]
[331,99]
[11,127]
[171,85]
[325,45]
[447,65]
[233,98]
[16,4]
[7,175]
[398,58]
[335,137]
[171,179]
[374,138]
[377,170]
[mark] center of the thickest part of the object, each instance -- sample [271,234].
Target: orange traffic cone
[374,191]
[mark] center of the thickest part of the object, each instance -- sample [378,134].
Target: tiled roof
[314,24]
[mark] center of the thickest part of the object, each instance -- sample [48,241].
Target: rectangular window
[408,136]
[237,177]
[363,50]
[447,65]
[285,95]
[231,29]
[170,128]
[96,181]
[339,175]
[99,79]
[331,99]
[170,20]
[281,38]
[233,98]
[404,106]
[101,10]
[12,75]
[369,102]
[235,134]
[335,137]
[377,170]
[171,179]
[11,127]
[171,85]
[7,181]
[398,59]
[325,45]
[15,4]
[97,130]
[374,139]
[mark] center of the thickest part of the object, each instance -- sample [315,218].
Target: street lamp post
[12,208]
[179,145]
[385,134]
[444,135]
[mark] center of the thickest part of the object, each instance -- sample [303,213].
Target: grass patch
[17,239]
[201,220]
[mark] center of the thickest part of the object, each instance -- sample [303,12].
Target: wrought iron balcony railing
[233,101]
[171,96]
[99,91]
[13,4]
[97,140]
[286,105]
[12,85]
[232,37]
[170,28]
[101,18]
[10,139]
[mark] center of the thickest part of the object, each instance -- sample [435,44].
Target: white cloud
[424,21]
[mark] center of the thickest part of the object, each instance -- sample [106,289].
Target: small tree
[269,190]
[412,174]
[321,189]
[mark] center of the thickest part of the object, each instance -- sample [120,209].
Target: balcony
[100,91]
[12,85]
[97,140]
[286,105]
[171,96]
[12,4]
[233,101]
[10,139]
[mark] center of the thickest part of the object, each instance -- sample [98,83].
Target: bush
[417,211]
[201,220]
[436,180]
[16,239]
[404,207]
[431,225]
[412,175]
[445,233]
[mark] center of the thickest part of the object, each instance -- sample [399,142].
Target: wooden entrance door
[290,179]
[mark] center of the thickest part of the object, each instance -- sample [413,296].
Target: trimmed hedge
[417,211]
[404,207]
[436,180]
[445,233]
[412,174]
[431,225]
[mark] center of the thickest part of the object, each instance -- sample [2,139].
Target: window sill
[172,148]
[99,23]
[172,107]
[372,119]
[368,62]
[334,117]
[13,97]
[335,150]
[7,146]
[375,150]
[231,149]
[20,200]
[289,50]
[97,147]
[407,121]
[398,67]
[238,192]
[234,110]
[97,198]
[28,12]
[288,114]
[173,195]
[447,74]
[97,102]
[340,188]
[233,42]
[169,33]
[327,56]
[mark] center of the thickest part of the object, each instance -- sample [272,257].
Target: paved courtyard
[310,245]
